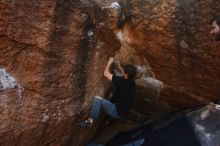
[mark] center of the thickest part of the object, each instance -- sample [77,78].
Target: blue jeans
[108,107]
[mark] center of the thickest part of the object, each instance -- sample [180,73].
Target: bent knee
[98,97]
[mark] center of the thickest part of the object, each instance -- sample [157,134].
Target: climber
[215,27]
[125,90]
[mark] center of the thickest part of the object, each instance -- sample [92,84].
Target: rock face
[53,53]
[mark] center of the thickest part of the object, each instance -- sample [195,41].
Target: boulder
[53,53]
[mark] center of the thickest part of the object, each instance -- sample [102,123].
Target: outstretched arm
[107,73]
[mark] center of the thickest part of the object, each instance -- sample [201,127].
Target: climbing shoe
[85,124]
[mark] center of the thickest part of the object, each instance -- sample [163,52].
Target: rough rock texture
[173,37]
[53,53]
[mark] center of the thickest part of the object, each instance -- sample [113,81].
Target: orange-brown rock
[53,53]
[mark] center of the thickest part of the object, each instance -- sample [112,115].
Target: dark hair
[130,70]
[217,19]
